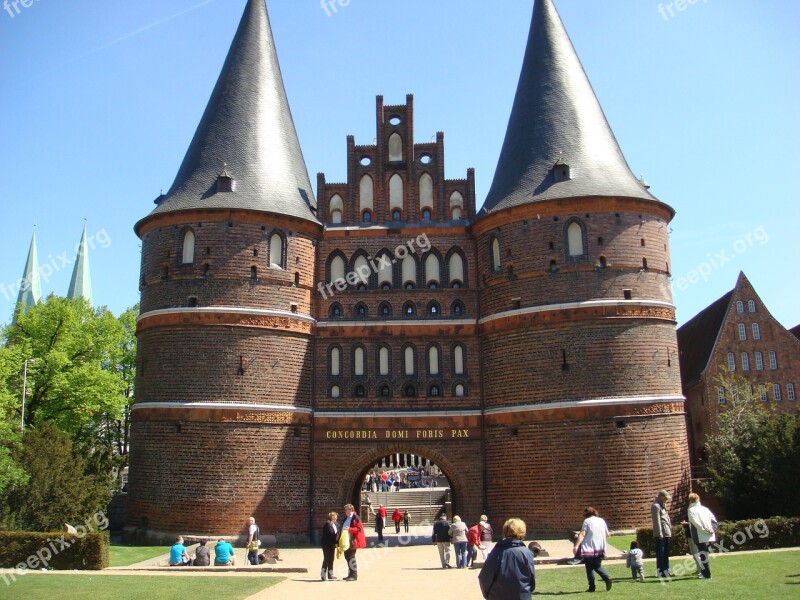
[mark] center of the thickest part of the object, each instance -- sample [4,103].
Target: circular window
[426,159]
[395,121]
[365,161]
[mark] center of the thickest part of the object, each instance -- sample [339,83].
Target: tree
[753,459]
[67,484]
[74,354]
[11,473]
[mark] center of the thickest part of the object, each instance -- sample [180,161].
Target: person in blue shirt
[178,557]
[223,554]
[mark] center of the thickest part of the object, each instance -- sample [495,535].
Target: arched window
[455,268]
[366,195]
[362,269]
[385,310]
[432,271]
[456,205]
[751,306]
[575,239]
[385,391]
[397,215]
[361,311]
[336,311]
[426,214]
[409,361]
[383,361]
[458,360]
[458,309]
[336,362]
[435,390]
[336,391]
[409,271]
[395,148]
[359,391]
[410,391]
[359,362]
[188,248]
[336,208]
[396,192]
[385,271]
[434,310]
[409,310]
[496,265]
[338,268]
[433,360]
[276,251]
[366,217]
[426,192]
[459,390]
[739,306]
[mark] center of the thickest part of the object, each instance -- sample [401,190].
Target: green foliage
[753,460]
[11,474]
[753,534]
[67,483]
[87,552]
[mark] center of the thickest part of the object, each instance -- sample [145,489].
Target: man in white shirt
[253,535]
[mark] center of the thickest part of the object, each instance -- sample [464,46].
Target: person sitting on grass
[223,554]
[178,557]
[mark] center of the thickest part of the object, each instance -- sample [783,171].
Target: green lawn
[751,577]
[124,556]
[133,587]
[621,542]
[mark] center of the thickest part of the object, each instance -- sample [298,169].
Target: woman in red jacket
[397,517]
[355,528]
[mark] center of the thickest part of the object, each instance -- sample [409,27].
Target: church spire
[30,291]
[558,143]
[80,286]
[245,153]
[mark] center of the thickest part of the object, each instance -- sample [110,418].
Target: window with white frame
[721,394]
[751,306]
[745,361]
[759,361]
[776,391]
[773,360]
[756,331]
[188,248]
[731,361]
[742,332]
[735,394]
[790,392]
[762,390]
[739,306]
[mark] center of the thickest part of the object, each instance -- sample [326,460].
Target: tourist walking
[397,516]
[633,560]
[253,541]
[355,529]
[703,527]
[441,539]
[458,535]
[486,536]
[380,521]
[330,536]
[592,544]
[406,519]
[662,532]
[508,573]
[473,543]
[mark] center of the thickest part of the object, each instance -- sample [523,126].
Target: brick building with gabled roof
[287,343]
[735,334]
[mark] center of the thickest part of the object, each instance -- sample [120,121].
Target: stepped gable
[557,120]
[246,134]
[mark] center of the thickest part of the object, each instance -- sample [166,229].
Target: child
[633,559]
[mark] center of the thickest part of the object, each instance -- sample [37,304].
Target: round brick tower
[222,424]
[582,390]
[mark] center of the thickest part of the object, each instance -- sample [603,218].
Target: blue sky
[100,99]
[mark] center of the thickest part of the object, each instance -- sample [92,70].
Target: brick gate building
[287,343]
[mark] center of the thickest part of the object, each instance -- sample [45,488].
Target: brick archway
[354,475]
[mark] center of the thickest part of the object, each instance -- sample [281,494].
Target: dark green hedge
[54,550]
[756,534]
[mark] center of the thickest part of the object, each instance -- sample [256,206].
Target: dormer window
[561,172]
[225,183]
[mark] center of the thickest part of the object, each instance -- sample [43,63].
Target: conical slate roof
[80,286]
[246,132]
[30,291]
[556,118]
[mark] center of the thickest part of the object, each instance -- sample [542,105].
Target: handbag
[256,543]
